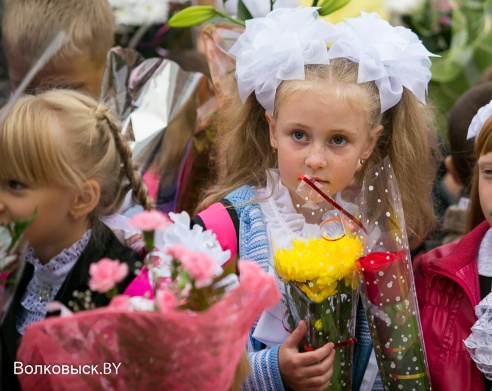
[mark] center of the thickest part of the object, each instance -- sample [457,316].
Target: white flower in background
[194,239]
[259,8]
[138,303]
[139,12]
[404,7]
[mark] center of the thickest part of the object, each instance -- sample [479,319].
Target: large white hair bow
[276,48]
[391,56]
[479,120]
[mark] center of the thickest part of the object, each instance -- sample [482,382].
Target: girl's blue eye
[488,172]
[339,140]
[16,185]
[298,135]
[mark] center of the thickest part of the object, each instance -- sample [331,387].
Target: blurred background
[460,31]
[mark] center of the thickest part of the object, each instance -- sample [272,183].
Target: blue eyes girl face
[298,135]
[16,185]
[338,140]
[316,133]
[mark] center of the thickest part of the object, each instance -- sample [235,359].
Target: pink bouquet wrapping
[175,350]
[187,330]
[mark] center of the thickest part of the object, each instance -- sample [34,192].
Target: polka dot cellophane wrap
[387,285]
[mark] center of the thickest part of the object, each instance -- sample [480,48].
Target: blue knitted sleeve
[253,240]
[265,373]
[253,244]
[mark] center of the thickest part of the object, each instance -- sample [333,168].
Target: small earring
[274,150]
[361,161]
[74,216]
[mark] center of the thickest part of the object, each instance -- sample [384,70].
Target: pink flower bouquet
[189,336]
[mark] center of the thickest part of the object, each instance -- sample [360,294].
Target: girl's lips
[320,181]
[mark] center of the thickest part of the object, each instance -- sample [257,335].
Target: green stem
[315,3]
[229,18]
[338,300]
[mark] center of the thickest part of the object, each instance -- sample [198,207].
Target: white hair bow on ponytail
[277,47]
[478,121]
[392,57]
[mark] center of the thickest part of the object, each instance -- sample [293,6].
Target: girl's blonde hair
[483,146]
[63,138]
[408,138]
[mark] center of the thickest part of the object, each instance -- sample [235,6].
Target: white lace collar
[478,343]
[47,279]
[282,220]
[484,259]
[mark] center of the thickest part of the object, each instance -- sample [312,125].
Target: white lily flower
[259,8]
[140,12]
[404,7]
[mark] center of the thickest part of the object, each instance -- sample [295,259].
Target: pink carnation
[105,274]
[178,251]
[165,299]
[120,303]
[200,266]
[150,220]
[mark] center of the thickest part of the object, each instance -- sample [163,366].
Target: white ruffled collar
[282,219]
[479,342]
[55,270]
[484,259]
[46,282]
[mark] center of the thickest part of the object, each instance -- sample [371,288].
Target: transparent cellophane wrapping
[387,285]
[174,350]
[167,117]
[318,279]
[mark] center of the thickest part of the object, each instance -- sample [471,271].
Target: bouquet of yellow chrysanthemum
[320,285]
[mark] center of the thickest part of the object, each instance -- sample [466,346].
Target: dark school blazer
[102,244]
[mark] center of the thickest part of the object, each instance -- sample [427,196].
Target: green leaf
[192,16]
[243,11]
[149,240]
[17,229]
[330,6]
[184,278]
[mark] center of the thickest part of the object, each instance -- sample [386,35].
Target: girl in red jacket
[452,279]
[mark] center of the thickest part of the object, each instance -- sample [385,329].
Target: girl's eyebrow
[299,125]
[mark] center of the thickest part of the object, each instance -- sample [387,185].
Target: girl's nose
[317,158]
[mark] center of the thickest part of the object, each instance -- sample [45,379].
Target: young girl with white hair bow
[328,114]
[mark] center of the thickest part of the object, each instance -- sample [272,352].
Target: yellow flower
[317,265]
[318,325]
